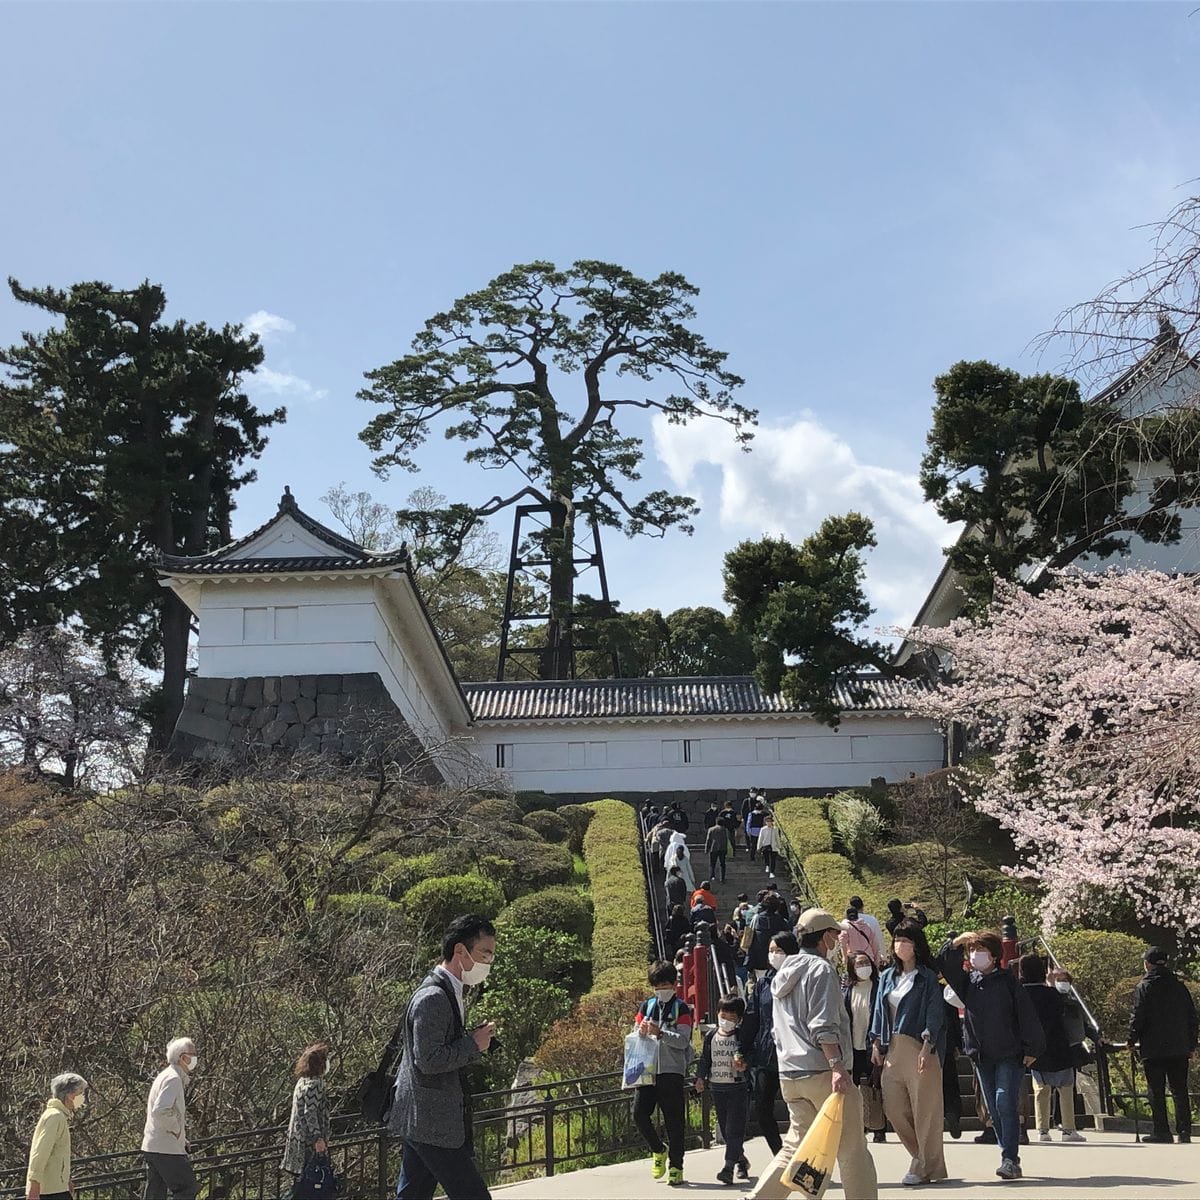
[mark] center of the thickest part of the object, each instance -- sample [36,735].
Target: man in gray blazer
[431,1106]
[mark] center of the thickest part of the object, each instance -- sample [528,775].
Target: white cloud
[281,383]
[799,473]
[268,324]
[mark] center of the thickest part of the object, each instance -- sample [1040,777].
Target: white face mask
[477,972]
[981,960]
[777,958]
[863,972]
[1062,985]
[192,1065]
[664,994]
[726,1026]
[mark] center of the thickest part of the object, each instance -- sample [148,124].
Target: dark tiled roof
[175,564]
[735,695]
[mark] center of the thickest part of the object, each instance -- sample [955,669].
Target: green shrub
[1099,962]
[540,865]
[578,817]
[857,823]
[397,875]
[557,908]
[492,812]
[364,909]
[1007,900]
[803,825]
[550,825]
[621,937]
[833,879]
[529,802]
[434,903]
[620,979]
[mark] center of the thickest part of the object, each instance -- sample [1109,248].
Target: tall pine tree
[124,436]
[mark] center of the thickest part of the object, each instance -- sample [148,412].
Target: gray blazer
[429,1103]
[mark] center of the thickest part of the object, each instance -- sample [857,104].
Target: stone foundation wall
[323,714]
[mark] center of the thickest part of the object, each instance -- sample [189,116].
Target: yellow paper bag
[811,1166]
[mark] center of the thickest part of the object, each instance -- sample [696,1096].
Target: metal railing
[656,899]
[533,1130]
[1123,1069]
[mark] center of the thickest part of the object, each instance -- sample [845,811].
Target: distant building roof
[730,696]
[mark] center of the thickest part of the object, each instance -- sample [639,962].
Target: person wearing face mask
[815,1047]
[164,1139]
[667,1019]
[431,1104]
[49,1173]
[1053,1070]
[308,1129]
[908,1041]
[759,1036]
[1001,1033]
[862,984]
[723,1069]
[1079,1028]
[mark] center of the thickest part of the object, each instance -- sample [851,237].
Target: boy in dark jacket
[730,822]
[669,1020]
[723,1068]
[1163,1025]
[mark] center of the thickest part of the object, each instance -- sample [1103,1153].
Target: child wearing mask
[724,1069]
[668,1019]
[1001,1033]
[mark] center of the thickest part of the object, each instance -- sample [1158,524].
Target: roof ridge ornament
[287,502]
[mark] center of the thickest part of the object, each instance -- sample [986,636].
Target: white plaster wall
[316,627]
[798,752]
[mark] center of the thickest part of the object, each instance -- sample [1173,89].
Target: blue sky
[864,193]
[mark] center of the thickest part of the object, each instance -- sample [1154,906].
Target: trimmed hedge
[494,812]
[562,909]
[833,879]
[621,937]
[399,875]
[550,825]
[578,817]
[1101,963]
[434,903]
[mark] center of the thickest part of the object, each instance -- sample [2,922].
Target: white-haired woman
[49,1175]
[164,1142]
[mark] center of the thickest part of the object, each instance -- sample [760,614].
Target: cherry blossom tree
[1086,697]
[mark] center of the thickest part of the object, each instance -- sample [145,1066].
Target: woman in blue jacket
[908,1038]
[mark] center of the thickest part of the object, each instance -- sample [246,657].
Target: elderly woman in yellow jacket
[49,1175]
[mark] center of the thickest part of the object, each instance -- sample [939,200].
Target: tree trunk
[174,626]
[558,660]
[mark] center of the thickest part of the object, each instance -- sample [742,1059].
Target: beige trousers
[856,1168]
[913,1103]
[1066,1105]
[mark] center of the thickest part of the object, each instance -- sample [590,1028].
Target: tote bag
[811,1166]
[641,1061]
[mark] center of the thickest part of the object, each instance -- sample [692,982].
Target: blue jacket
[921,1013]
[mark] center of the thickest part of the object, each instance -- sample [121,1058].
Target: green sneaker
[658,1165]
[675,1179]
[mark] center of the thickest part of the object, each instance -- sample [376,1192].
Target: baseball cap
[1155,956]
[817,920]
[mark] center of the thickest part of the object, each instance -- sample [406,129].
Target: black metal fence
[518,1133]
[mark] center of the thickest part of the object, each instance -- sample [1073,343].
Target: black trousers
[715,860]
[769,857]
[665,1094]
[766,1095]
[951,1096]
[1159,1073]
[169,1173]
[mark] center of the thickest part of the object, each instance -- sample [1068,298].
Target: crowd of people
[869,1010]
[429,1099]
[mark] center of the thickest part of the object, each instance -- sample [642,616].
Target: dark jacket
[766,926]
[1163,1022]
[677,890]
[756,1027]
[1000,1018]
[678,820]
[430,1102]
[703,914]
[729,821]
[710,816]
[716,841]
[726,956]
[1075,1022]
[678,927]
[1050,1010]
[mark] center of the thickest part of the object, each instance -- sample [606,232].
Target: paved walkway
[1110,1164]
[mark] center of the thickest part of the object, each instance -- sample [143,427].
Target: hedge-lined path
[1110,1164]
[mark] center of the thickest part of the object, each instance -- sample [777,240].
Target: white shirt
[860,1013]
[901,989]
[457,985]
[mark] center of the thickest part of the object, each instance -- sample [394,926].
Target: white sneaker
[1044,1136]
[912,1179]
[1073,1135]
